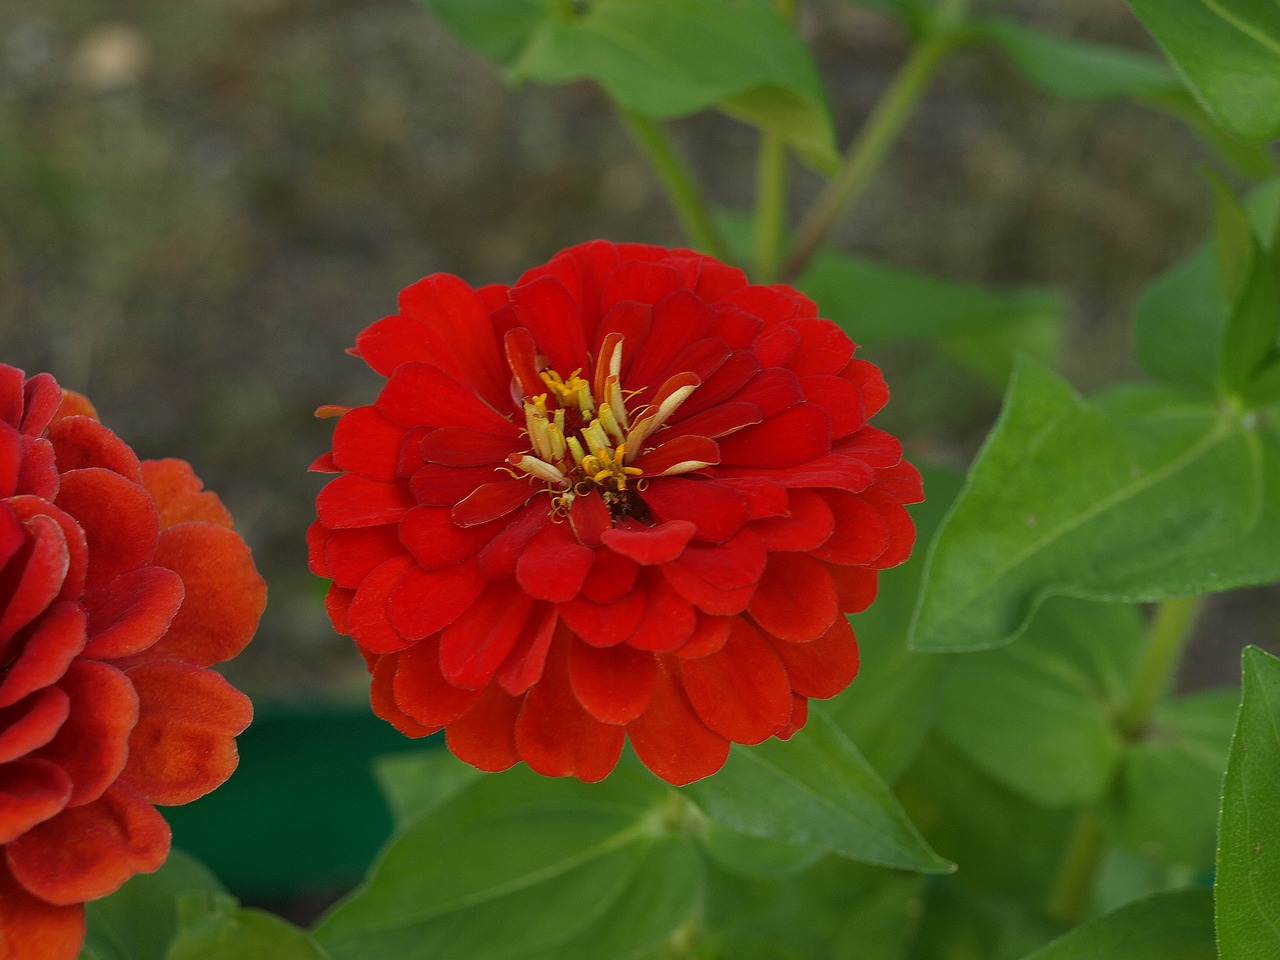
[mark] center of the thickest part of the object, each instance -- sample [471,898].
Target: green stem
[1166,639]
[877,135]
[1162,651]
[771,206]
[1069,898]
[695,217]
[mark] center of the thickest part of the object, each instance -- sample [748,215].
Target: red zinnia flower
[630,496]
[120,581]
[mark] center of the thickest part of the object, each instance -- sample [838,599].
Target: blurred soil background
[202,203]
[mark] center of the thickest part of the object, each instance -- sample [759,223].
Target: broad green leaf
[836,909]
[891,706]
[1166,793]
[1252,160]
[815,789]
[215,927]
[139,920]
[1071,68]
[551,859]
[760,857]
[1167,926]
[1037,715]
[1248,880]
[1069,498]
[415,783]
[1179,322]
[661,58]
[983,329]
[1234,244]
[1249,341]
[960,923]
[1228,52]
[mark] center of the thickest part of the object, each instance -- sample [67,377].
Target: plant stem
[1166,639]
[877,135]
[695,217]
[771,206]
[1069,898]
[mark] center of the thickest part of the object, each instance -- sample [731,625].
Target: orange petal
[84,442]
[74,405]
[30,791]
[87,852]
[421,691]
[31,929]
[184,743]
[31,723]
[132,612]
[225,595]
[39,568]
[119,520]
[92,744]
[49,649]
[179,494]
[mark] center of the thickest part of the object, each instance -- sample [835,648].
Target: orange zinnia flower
[630,496]
[120,582]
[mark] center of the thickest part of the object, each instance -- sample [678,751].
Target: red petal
[92,744]
[650,545]
[677,454]
[719,421]
[822,668]
[485,736]
[825,348]
[184,744]
[902,482]
[668,618]
[741,691]
[861,533]
[82,442]
[179,495]
[808,524]
[613,684]
[612,576]
[736,563]
[473,646]
[424,603]
[440,486]
[679,319]
[422,692]
[840,399]
[855,586]
[792,437]
[453,312]
[716,510]
[870,383]
[350,555]
[556,736]
[337,601]
[796,599]
[773,391]
[524,664]
[11,457]
[464,447]
[436,541]
[499,558]
[49,649]
[902,532]
[369,617]
[31,929]
[422,394]
[31,791]
[669,738]
[38,472]
[589,518]
[603,625]
[35,576]
[367,443]
[391,341]
[776,345]
[225,595]
[708,636]
[799,716]
[382,699]
[41,398]
[553,565]
[32,722]
[522,357]
[87,852]
[132,612]
[355,501]
[490,501]
[545,307]
[836,471]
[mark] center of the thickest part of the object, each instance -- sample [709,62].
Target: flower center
[583,438]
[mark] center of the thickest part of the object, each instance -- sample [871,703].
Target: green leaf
[1228,52]
[1249,341]
[760,857]
[661,58]
[1234,244]
[983,329]
[1179,322]
[215,927]
[1085,499]
[1248,880]
[892,704]
[1037,715]
[416,783]
[816,789]
[1167,926]
[138,921]
[1072,68]
[557,860]
[1166,795]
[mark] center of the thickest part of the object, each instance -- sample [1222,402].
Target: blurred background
[202,203]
